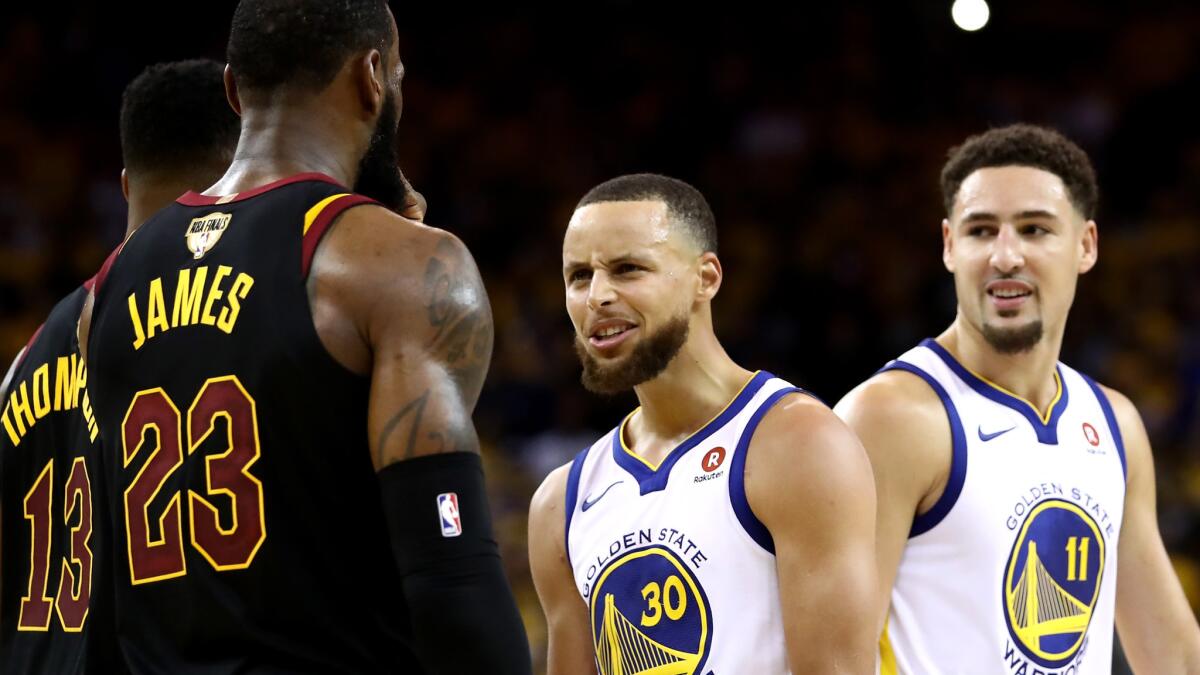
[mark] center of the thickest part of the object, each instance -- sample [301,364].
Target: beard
[648,359]
[1013,340]
[379,175]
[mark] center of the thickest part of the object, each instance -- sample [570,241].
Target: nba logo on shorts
[448,511]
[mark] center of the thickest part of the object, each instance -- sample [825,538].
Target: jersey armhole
[737,474]
[318,220]
[572,497]
[96,283]
[1111,418]
[925,522]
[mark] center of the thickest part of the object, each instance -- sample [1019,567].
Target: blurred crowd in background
[817,134]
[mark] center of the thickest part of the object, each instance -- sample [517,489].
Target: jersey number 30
[155,543]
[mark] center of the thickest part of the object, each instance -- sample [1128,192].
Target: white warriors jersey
[1014,569]
[677,572]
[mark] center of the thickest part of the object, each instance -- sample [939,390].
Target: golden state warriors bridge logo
[1052,581]
[650,616]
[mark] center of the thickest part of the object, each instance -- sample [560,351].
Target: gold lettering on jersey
[237,292]
[139,336]
[156,315]
[88,415]
[33,398]
[200,298]
[203,232]
[66,395]
[19,402]
[41,391]
[214,294]
[188,293]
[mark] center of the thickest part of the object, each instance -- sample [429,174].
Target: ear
[371,82]
[711,275]
[231,92]
[125,185]
[1089,245]
[947,246]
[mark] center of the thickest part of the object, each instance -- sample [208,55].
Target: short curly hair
[1024,145]
[174,117]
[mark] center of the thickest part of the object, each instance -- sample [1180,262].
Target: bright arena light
[970,15]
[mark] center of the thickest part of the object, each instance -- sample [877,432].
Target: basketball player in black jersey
[56,596]
[284,373]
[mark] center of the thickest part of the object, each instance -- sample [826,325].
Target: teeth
[1008,293]
[608,332]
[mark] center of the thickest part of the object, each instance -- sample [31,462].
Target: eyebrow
[1023,215]
[612,262]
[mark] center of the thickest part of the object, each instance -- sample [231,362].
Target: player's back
[55,606]
[251,535]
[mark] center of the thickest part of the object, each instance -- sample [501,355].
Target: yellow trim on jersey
[1049,409]
[887,657]
[654,467]
[316,210]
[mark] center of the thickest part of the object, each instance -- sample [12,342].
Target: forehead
[1012,189]
[624,227]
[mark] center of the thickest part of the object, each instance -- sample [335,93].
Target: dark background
[817,133]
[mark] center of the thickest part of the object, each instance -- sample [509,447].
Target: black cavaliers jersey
[249,526]
[55,598]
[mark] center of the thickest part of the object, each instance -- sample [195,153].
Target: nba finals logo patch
[649,615]
[447,503]
[1052,582]
[204,232]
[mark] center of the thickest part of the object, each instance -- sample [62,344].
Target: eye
[579,274]
[981,231]
[1033,229]
[627,268]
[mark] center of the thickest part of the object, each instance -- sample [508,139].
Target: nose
[600,292]
[1007,250]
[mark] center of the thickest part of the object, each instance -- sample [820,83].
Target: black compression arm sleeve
[464,617]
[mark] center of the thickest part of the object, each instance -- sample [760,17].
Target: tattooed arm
[405,304]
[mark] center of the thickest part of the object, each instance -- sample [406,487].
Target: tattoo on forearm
[454,435]
[414,409]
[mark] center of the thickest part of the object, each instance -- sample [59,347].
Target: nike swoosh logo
[589,503]
[987,437]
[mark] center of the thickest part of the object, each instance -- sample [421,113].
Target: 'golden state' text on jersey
[677,572]
[1014,569]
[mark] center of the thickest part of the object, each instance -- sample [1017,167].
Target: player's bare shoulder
[801,436]
[895,411]
[376,268]
[547,509]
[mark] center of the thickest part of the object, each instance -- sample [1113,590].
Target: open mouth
[609,333]
[1009,294]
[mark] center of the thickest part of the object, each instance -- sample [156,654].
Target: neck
[148,196]
[145,203]
[700,381]
[282,141]
[1028,374]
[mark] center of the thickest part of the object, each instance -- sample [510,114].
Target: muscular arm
[905,432]
[404,303]
[568,626]
[809,482]
[1156,625]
